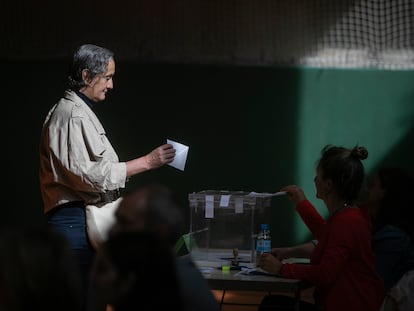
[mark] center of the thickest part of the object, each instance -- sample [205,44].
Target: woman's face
[319,183]
[323,186]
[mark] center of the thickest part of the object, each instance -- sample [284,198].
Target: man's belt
[110,196]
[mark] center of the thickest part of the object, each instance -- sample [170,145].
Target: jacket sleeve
[310,216]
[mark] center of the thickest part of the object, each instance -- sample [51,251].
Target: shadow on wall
[402,154]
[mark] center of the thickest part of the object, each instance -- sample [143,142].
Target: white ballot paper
[265,194]
[181,152]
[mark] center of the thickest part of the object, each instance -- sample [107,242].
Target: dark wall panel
[248,128]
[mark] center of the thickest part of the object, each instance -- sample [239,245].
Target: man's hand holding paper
[181,152]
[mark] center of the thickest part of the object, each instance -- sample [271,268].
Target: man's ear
[85,76]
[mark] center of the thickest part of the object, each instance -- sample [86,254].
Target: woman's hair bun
[359,152]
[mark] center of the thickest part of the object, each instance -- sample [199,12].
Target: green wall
[371,108]
[250,128]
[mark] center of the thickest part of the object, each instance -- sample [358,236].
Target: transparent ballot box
[224,224]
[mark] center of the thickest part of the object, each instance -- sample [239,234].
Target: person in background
[342,264]
[389,206]
[155,208]
[135,270]
[38,271]
[78,165]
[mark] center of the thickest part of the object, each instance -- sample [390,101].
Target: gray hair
[91,57]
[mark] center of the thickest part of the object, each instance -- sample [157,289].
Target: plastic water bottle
[263,242]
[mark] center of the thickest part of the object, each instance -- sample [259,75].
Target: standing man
[78,165]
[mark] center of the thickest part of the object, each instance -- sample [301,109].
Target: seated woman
[388,207]
[342,264]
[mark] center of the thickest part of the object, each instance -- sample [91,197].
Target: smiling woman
[342,262]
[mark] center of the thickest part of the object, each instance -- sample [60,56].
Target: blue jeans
[70,221]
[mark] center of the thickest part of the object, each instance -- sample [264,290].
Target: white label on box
[238,205]
[209,210]
[224,200]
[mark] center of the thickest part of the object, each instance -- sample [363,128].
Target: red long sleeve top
[342,266]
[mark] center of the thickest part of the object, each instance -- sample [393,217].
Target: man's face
[97,88]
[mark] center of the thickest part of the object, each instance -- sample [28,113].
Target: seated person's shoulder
[196,290]
[187,262]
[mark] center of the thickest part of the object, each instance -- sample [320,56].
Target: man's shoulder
[186,261]
[196,290]
[392,233]
[188,270]
[70,105]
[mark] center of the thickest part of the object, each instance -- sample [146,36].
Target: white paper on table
[254,271]
[181,152]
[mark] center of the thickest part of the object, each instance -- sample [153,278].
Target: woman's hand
[281,252]
[270,263]
[294,193]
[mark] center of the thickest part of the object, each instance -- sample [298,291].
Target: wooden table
[234,280]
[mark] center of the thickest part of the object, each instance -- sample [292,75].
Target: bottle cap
[264,226]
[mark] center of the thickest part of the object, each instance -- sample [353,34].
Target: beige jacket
[77,161]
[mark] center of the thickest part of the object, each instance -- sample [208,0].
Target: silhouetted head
[38,271]
[135,270]
[390,198]
[151,207]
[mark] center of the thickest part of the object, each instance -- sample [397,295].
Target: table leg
[296,305]
[222,298]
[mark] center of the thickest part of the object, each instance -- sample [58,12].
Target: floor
[249,301]
[244,300]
